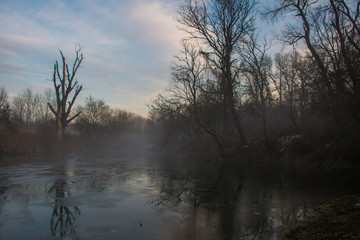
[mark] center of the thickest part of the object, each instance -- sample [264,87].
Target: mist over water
[133,190]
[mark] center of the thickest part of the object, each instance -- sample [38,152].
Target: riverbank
[332,220]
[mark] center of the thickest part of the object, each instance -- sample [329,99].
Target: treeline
[98,118]
[227,91]
[27,124]
[23,119]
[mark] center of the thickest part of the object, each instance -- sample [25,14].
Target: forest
[241,124]
[229,93]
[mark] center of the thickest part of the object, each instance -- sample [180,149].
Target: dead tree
[66,89]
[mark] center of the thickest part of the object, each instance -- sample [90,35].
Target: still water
[143,193]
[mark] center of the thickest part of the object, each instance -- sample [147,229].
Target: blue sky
[128,46]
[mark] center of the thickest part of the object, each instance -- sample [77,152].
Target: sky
[127,46]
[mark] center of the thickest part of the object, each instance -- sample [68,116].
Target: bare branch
[63,91]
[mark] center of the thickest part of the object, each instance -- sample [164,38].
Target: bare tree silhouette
[63,89]
[221,27]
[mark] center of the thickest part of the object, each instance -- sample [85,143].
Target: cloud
[128,44]
[19,42]
[9,67]
[7,53]
[155,24]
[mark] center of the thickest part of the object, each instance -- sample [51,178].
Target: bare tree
[65,84]
[189,98]
[93,115]
[256,65]
[94,109]
[304,10]
[48,96]
[4,105]
[32,102]
[289,84]
[18,109]
[221,26]
[25,107]
[330,30]
[32,108]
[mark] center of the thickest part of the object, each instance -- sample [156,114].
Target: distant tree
[5,124]
[18,109]
[46,97]
[94,110]
[32,108]
[189,103]
[330,31]
[118,120]
[293,79]
[93,115]
[66,90]
[99,118]
[255,66]
[4,106]
[25,107]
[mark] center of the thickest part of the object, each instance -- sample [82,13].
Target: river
[139,192]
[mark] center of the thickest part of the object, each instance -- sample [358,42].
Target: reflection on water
[148,195]
[224,204]
[63,216]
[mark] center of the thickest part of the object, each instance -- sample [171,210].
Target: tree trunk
[60,131]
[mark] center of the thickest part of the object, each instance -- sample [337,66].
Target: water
[141,193]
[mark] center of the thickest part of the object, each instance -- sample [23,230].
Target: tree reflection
[263,229]
[216,190]
[63,216]
[227,203]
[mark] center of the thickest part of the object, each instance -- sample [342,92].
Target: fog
[244,143]
[133,188]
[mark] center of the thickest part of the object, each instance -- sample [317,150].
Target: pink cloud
[7,53]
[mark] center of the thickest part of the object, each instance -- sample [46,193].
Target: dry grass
[334,220]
